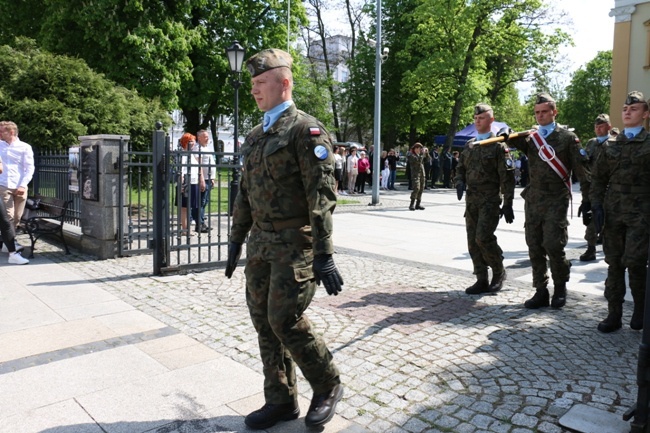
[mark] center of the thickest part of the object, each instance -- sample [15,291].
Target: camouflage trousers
[625,244]
[279,287]
[590,234]
[546,236]
[418,183]
[481,221]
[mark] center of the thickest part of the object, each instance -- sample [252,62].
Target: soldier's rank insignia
[321,152]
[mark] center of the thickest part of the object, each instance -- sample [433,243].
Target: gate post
[160,200]
[100,182]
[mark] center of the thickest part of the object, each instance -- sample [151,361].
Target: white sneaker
[18,247]
[17,259]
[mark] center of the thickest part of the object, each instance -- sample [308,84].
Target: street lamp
[236,55]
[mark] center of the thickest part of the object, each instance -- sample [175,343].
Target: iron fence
[52,179]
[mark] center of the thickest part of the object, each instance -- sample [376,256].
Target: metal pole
[234,184]
[288,21]
[159,200]
[377,124]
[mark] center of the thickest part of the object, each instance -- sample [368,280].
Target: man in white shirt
[206,180]
[18,159]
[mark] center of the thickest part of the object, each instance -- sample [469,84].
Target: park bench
[45,216]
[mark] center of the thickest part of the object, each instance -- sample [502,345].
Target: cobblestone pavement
[416,353]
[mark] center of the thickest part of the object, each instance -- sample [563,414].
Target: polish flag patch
[314,130]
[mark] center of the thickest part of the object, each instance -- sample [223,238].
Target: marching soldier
[286,202]
[602,127]
[487,172]
[621,209]
[418,176]
[553,153]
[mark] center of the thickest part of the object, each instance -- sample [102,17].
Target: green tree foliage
[457,53]
[170,50]
[54,99]
[588,95]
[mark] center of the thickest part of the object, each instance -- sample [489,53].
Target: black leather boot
[269,414]
[636,322]
[323,406]
[539,299]
[559,296]
[480,286]
[613,321]
[411,206]
[417,206]
[589,255]
[498,279]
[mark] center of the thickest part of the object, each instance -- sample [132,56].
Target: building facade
[630,54]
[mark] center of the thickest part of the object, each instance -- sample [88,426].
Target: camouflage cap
[268,59]
[481,108]
[541,98]
[416,145]
[602,118]
[614,131]
[635,97]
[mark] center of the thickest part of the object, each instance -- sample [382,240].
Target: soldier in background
[286,202]
[487,172]
[415,161]
[553,153]
[621,209]
[602,127]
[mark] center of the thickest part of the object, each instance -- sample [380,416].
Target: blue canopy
[461,137]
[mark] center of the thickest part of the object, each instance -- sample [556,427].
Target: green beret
[635,97]
[481,108]
[269,59]
[542,98]
[602,118]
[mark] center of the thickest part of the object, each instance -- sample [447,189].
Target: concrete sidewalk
[75,358]
[102,346]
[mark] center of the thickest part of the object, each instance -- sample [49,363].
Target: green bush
[54,99]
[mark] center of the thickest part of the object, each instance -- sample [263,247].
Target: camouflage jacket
[592,147]
[543,180]
[287,174]
[416,165]
[621,174]
[487,171]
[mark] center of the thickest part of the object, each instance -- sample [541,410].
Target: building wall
[630,54]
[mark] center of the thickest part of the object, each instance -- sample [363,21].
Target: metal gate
[155,193]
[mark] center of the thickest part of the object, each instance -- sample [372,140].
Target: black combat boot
[636,322]
[411,206]
[417,205]
[539,299]
[613,321]
[497,281]
[269,414]
[480,286]
[559,296]
[589,255]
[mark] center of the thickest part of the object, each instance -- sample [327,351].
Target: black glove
[507,213]
[325,271]
[599,217]
[585,210]
[460,189]
[234,253]
[505,133]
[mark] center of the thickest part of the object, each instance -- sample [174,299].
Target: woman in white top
[353,169]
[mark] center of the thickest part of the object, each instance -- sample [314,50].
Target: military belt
[276,226]
[547,187]
[633,189]
[483,187]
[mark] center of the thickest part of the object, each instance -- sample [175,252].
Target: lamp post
[236,53]
[377,126]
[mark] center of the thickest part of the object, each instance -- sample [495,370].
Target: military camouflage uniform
[418,176]
[286,200]
[592,148]
[621,184]
[488,173]
[547,202]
